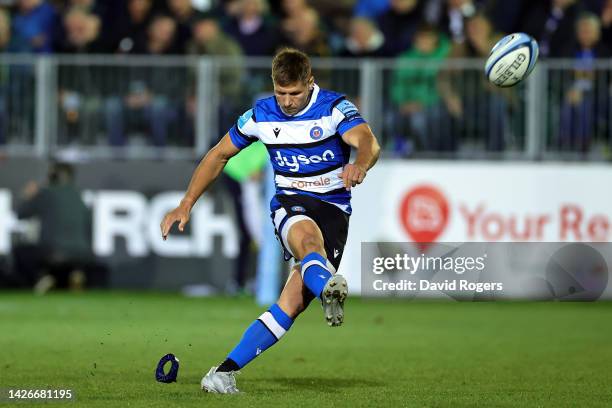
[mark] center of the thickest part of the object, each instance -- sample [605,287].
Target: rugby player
[308,132]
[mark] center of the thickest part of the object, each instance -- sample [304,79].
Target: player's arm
[361,138]
[207,171]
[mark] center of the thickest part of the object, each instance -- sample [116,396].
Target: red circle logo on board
[424,213]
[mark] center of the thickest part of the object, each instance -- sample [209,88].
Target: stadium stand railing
[144,107]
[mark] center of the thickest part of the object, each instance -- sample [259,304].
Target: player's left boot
[332,297]
[220,383]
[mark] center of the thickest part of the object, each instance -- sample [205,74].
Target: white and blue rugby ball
[511,59]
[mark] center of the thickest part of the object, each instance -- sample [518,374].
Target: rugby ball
[511,60]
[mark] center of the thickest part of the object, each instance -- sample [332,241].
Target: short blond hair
[290,66]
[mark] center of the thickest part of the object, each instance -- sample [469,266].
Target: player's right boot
[220,383]
[332,297]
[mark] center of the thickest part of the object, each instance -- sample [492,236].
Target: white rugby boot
[332,297]
[220,383]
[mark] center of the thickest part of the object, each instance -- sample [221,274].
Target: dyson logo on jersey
[294,162]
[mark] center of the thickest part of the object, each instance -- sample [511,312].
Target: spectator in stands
[305,34]
[153,95]
[161,37]
[251,27]
[364,40]
[477,108]
[414,93]
[130,29]
[34,27]
[551,23]
[606,22]
[450,17]
[82,33]
[291,13]
[292,10]
[584,113]
[185,15]
[588,44]
[209,39]
[5,29]
[79,91]
[398,25]
[335,18]
[63,253]
[99,9]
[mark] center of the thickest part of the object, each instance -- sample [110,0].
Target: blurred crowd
[435,107]
[357,28]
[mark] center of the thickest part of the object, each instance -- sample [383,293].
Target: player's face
[294,97]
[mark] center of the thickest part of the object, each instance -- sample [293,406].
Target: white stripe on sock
[273,325]
[310,263]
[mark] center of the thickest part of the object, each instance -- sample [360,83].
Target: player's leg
[307,245]
[295,296]
[276,321]
[261,334]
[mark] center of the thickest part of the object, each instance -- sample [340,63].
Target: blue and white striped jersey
[306,149]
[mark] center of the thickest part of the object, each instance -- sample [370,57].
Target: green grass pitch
[105,347]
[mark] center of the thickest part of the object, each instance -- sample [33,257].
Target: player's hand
[180,214]
[352,174]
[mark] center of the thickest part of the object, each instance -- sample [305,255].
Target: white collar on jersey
[313,98]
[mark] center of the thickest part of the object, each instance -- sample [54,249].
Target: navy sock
[228,365]
[315,273]
[261,334]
